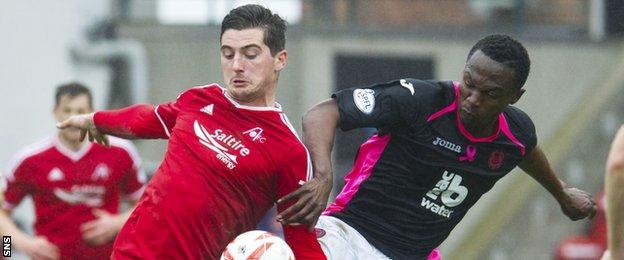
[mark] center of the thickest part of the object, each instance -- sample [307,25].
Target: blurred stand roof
[531,19]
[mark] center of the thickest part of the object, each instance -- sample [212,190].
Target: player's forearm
[319,127]
[8,228]
[137,121]
[537,166]
[614,181]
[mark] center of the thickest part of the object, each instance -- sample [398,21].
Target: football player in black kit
[440,145]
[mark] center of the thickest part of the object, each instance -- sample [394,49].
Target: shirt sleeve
[295,169]
[531,137]
[522,126]
[17,184]
[382,105]
[138,121]
[303,243]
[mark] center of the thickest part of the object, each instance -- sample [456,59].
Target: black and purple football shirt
[415,179]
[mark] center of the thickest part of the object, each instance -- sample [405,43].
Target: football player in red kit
[76,187]
[231,152]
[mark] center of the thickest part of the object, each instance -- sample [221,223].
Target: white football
[257,245]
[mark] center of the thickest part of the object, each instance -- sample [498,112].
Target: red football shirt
[226,164]
[66,186]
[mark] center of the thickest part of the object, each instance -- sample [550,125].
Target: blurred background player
[440,146]
[76,187]
[614,192]
[231,152]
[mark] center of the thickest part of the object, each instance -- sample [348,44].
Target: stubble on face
[248,67]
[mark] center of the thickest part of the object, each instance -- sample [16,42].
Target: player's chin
[467,117]
[71,134]
[243,93]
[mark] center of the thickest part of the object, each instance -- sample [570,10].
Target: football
[257,245]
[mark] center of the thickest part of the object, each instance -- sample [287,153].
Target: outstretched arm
[319,127]
[614,181]
[137,121]
[382,105]
[575,203]
[87,128]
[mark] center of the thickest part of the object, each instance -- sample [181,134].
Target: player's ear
[517,95]
[280,60]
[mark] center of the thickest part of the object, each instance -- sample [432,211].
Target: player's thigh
[333,240]
[340,241]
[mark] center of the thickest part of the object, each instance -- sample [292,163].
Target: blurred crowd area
[450,13]
[389,14]
[548,18]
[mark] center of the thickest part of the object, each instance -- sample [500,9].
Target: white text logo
[446,144]
[216,141]
[450,192]
[89,195]
[364,100]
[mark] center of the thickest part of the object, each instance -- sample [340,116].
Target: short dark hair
[256,16]
[508,51]
[72,89]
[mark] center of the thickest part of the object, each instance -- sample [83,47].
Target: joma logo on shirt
[221,143]
[446,144]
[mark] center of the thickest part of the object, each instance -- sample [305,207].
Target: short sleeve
[17,184]
[382,105]
[133,179]
[522,126]
[167,113]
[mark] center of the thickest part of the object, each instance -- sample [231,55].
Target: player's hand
[578,204]
[312,199]
[87,128]
[39,248]
[101,230]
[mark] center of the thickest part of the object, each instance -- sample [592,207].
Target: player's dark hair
[508,51]
[72,89]
[256,16]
